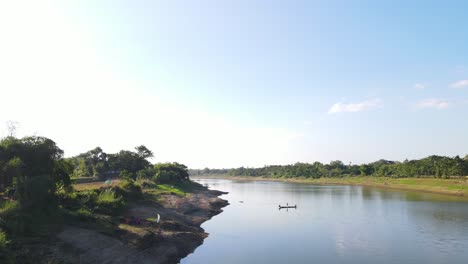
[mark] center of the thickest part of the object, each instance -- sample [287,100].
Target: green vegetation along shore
[432,166]
[437,174]
[97,207]
[457,187]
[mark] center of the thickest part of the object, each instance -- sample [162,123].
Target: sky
[225,84]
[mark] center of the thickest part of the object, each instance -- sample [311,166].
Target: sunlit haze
[239,83]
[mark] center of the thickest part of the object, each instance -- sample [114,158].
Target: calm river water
[332,224]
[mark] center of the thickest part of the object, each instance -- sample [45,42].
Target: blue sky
[240,83]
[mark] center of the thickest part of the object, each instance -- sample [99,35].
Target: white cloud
[433,103]
[355,107]
[460,84]
[419,86]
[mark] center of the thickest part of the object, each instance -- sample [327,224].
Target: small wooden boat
[287,206]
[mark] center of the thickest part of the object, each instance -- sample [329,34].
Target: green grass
[180,189]
[7,206]
[107,196]
[95,185]
[156,192]
[170,189]
[3,240]
[108,202]
[434,185]
[5,252]
[443,186]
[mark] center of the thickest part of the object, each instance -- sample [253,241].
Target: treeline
[126,164]
[30,163]
[207,171]
[432,166]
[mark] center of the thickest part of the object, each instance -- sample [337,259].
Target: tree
[92,163]
[34,166]
[126,175]
[144,152]
[366,170]
[127,160]
[172,173]
[62,171]
[10,170]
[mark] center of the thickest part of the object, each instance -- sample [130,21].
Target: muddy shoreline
[178,234]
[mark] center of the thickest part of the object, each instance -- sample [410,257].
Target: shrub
[83,214]
[146,173]
[36,192]
[126,175]
[171,173]
[87,198]
[130,190]
[8,206]
[145,183]
[108,202]
[5,253]
[9,216]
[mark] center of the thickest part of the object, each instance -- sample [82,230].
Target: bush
[145,183]
[7,206]
[10,219]
[83,214]
[171,173]
[126,175]
[5,253]
[18,222]
[130,190]
[108,202]
[146,173]
[36,192]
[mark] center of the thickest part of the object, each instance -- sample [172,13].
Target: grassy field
[442,186]
[95,185]
[149,188]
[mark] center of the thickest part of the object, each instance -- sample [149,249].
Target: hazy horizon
[224,84]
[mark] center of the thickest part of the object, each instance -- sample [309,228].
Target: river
[332,224]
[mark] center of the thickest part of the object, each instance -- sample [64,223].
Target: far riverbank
[457,187]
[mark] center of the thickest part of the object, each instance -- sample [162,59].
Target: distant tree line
[432,166]
[207,171]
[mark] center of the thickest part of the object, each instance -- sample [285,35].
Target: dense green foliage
[32,168]
[5,254]
[432,166]
[108,202]
[128,165]
[36,191]
[208,171]
[171,173]
[100,164]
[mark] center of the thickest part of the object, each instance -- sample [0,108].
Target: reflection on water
[333,224]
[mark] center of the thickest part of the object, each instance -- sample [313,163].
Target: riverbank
[458,187]
[112,238]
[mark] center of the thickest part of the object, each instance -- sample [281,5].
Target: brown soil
[177,235]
